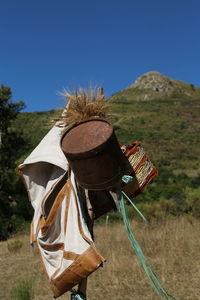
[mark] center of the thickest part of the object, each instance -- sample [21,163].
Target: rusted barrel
[94,154]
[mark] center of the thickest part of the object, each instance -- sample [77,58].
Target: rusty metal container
[94,154]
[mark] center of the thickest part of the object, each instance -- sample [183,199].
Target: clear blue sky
[49,45]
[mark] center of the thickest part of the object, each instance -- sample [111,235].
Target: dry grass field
[171,246]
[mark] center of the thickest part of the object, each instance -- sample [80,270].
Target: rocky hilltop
[155,81]
[154,85]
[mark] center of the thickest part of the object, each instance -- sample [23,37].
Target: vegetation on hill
[33,126]
[168,128]
[9,186]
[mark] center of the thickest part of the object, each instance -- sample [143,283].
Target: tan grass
[172,248]
[83,105]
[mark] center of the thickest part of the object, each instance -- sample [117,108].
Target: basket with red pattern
[141,169]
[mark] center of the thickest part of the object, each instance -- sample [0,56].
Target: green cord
[127,179]
[139,253]
[78,297]
[139,212]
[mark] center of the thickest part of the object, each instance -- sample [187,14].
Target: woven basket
[142,169]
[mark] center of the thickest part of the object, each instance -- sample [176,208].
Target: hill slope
[168,126]
[169,129]
[153,85]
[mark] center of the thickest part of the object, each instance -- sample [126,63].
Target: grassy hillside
[169,130]
[33,126]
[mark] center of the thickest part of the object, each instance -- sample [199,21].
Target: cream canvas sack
[67,250]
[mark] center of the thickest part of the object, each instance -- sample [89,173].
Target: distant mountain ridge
[154,85]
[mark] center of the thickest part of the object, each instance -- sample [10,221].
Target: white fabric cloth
[41,171]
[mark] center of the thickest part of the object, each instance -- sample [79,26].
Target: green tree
[10,144]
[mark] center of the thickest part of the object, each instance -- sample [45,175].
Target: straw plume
[83,105]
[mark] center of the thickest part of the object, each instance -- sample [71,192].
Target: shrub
[23,290]
[193,200]
[18,223]
[14,246]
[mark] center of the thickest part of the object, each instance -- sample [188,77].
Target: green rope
[79,297]
[127,179]
[135,207]
[139,253]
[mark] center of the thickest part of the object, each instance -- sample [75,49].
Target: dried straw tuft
[83,105]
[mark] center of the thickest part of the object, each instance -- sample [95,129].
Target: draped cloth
[59,226]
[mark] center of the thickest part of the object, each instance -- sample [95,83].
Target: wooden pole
[101,92]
